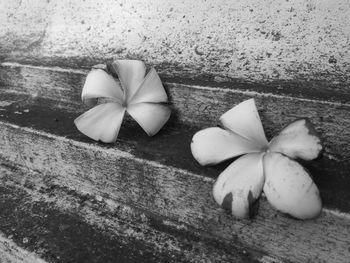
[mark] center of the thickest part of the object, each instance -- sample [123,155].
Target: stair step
[195,107]
[62,225]
[199,105]
[65,198]
[160,176]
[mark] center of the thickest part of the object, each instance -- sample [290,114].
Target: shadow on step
[170,147]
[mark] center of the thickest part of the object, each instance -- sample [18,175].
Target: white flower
[265,166]
[143,97]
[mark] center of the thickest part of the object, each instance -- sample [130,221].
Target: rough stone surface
[10,252]
[136,171]
[223,40]
[62,225]
[200,105]
[292,56]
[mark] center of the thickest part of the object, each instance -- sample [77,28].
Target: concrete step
[65,198]
[196,107]
[60,224]
[159,176]
[202,105]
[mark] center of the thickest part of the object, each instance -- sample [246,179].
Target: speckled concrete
[223,40]
[301,47]
[143,173]
[10,252]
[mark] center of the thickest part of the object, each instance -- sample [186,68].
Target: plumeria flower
[264,166]
[142,96]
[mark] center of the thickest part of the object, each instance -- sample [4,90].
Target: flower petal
[151,90]
[244,120]
[131,74]
[101,122]
[298,140]
[214,145]
[151,117]
[99,84]
[289,188]
[239,186]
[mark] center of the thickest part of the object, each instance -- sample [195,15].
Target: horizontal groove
[57,69]
[261,94]
[94,147]
[191,86]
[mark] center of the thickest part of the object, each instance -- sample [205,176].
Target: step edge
[175,84]
[120,153]
[326,219]
[124,154]
[97,219]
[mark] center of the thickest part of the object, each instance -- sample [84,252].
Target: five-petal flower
[143,97]
[264,166]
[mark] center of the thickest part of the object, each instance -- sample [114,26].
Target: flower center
[266,149]
[124,104]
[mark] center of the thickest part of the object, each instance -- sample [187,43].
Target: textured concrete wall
[221,40]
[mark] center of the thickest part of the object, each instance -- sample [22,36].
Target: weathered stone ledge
[137,172]
[13,73]
[200,105]
[62,225]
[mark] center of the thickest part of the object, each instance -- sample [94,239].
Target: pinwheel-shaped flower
[143,97]
[267,167]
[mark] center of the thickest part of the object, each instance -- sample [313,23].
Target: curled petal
[214,145]
[131,74]
[298,140]
[151,117]
[101,122]
[151,89]
[99,84]
[239,186]
[289,188]
[244,120]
